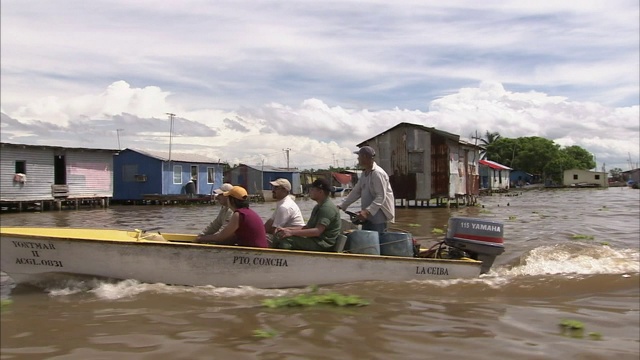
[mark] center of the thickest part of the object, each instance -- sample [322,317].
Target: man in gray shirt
[378,205]
[223,216]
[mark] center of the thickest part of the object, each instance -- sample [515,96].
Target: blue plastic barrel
[364,242]
[396,244]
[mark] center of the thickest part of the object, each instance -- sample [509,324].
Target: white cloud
[321,75]
[318,134]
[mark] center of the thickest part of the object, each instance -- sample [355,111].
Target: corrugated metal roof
[181,157]
[271,168]
[494,165]
[422,127]
[56,147]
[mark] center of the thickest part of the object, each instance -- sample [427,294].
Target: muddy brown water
[552,270]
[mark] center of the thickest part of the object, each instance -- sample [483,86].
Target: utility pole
[171,116]
[118,132]
[287,152]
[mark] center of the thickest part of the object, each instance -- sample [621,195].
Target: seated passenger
[324,226]
[245,227]
[287,212]
[223,216]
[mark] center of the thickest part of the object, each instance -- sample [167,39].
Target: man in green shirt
[322,229]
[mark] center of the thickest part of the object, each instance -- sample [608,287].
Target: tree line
[535,155]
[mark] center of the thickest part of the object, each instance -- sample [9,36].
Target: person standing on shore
[374,191]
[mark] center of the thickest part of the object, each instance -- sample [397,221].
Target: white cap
[282,182]
[224,188]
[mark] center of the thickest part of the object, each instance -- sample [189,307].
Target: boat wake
[130,289]
[558,263]
[571,259]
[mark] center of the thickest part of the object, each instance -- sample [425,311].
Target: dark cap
[366,150]
[322,184]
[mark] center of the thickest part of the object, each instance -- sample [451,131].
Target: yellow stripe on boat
[89,234]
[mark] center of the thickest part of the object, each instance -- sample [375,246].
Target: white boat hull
[35,254]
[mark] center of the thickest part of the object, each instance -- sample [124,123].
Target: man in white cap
[374,191]
[287,212]
[225,213]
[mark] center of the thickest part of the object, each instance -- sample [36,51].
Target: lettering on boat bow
[36,248]
[431,270]
[259,261]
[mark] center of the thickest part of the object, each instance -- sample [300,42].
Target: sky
[252,81]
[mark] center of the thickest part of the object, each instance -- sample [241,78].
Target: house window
[575,177]
[21,167]
[177,174]
[598,177]
[211,175]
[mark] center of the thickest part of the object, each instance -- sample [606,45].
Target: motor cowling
[481,239]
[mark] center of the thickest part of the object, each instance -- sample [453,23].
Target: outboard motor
[481,239]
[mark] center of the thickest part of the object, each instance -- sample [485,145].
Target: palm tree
[489,138]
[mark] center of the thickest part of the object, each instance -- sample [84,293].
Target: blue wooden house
[521,178]
[141,173]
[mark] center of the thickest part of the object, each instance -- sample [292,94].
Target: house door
[194,177]
[59,170]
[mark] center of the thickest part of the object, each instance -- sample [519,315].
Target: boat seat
[341,240]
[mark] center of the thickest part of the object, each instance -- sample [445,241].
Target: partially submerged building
[257,179]
[157,175]
[584,178]
[494,176]
[427,164]
[48,176]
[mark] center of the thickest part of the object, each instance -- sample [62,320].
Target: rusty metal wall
[404,152]
[439,166]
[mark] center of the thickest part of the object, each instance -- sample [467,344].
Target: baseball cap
[321,184]
[366,150]
[237,192]
[223,188]
[281,182]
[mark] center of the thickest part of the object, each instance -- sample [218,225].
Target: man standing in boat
[323,228]
[374,191]
[287,212]
[223,216]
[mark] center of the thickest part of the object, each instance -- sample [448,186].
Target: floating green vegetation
[4,303]
[437,231]
[415,225]
[575,328]
[264,333]
[313,299]
[582,237]
[571,324]
[484,211]
[512,217]
[595,335]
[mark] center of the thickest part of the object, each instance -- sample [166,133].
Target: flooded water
[570,255]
